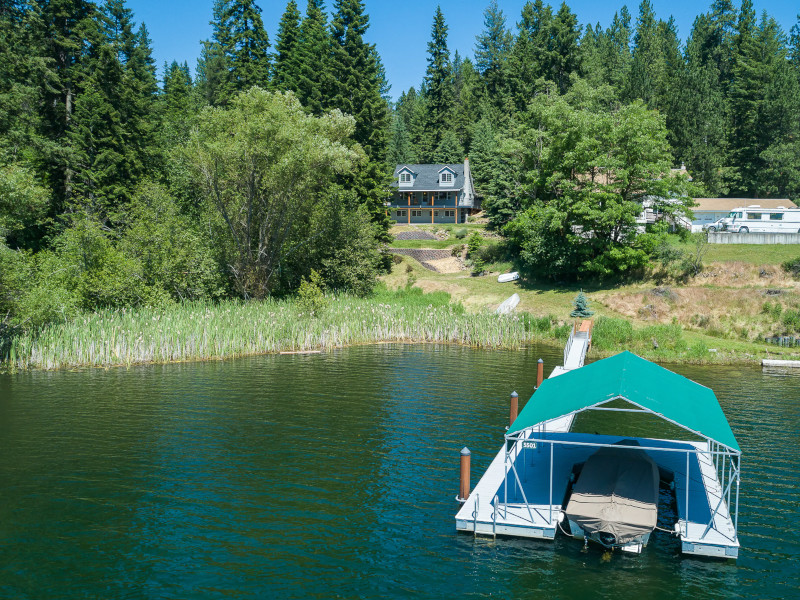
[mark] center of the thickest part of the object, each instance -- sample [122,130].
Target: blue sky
[401,30]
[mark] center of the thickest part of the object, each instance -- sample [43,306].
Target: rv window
[754,216]
[776,217]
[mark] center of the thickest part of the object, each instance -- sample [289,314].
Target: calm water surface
[333,476]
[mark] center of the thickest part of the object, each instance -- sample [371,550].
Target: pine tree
[246,46]
[357,85]
[212,66]
[565,57]
[492,48]
[400,149]
[449,150]
[72,35]
[439,87]
[529,57]
[178,104]
[581,306]
[617,50]
[284,65]
[313,50]
[656,58]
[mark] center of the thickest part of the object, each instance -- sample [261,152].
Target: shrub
[792,267]
[460,233]
[457,250]
[791,320]
[310,297]
[474,243]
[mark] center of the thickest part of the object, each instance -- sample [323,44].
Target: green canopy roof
[641,382]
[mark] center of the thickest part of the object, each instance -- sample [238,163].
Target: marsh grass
[205,331]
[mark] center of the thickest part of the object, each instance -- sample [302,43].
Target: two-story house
[431,194]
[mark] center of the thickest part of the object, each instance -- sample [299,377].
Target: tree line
[571,128]
[265,169]
[271,164]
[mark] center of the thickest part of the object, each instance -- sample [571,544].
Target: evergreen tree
[565,55]
[794,46]
[212,66]
[439,87]
[313,49]
[449,150]
[357,85]
[71,36]
[410,110]
[656,58]
[284,66]
[466,97]
[400,149]
[581,306]
[617,51]
[492,49]
[246,46]
[179,104]
[529,57]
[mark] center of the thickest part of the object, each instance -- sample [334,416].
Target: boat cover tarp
[646,384]
[616,493]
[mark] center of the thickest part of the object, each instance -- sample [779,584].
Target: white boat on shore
[507,277]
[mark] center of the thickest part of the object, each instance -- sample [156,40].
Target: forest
[124,183]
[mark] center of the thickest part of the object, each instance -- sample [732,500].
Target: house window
[401,213]
[436,213]
[754,216]
[449,213]
[405,177]
[416,213]
[776,217]
[447,177]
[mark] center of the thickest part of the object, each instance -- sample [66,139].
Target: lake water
[334,475]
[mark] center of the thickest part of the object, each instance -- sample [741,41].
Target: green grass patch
[756,254]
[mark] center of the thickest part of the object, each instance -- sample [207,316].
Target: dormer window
[406,177]
[446,177]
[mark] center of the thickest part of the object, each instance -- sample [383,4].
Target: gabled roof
[427,177]
[645,384]
[404,168]
[447,168]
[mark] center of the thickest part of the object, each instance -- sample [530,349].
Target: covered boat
[615,498]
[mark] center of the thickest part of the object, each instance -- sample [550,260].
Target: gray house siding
[421,194]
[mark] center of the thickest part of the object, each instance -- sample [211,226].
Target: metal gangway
[578,344]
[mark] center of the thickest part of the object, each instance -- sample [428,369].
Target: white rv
[754,219]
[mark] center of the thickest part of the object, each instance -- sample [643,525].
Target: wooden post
[539,373]
[463,492]
[514,408]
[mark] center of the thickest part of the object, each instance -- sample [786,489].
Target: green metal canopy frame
[653,388]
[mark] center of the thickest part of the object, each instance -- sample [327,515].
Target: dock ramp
[578,345]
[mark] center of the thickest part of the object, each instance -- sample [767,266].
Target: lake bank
[207,332]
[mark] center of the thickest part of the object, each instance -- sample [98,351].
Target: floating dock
[526,487]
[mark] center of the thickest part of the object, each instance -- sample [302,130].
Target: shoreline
[551,343]
[200,332]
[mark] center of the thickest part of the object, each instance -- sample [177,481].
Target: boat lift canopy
[626,376]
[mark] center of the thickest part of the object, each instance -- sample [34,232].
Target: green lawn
[755,254]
